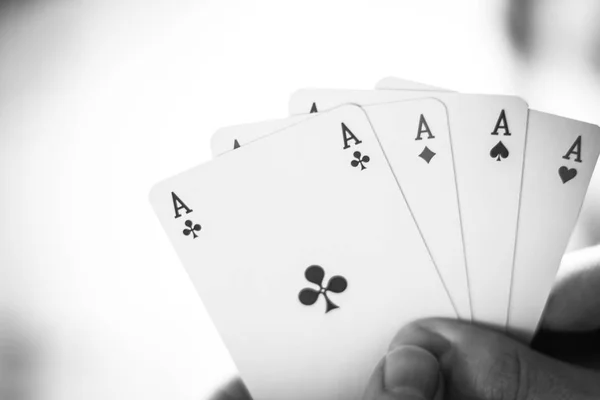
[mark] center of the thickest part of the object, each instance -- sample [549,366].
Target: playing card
[232,137]
[488,139]
[415,138]
[549,207]
[305,255]
[559,160]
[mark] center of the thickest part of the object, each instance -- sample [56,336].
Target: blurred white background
[99,100]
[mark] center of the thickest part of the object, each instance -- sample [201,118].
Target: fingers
[477,364]
[233,390]
[574,304]
[406,373]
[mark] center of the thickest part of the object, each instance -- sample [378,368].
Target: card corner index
[164,192]
[160,195]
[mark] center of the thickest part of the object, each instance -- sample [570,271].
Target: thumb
[480,364]
[406,373]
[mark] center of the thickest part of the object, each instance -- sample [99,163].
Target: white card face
[488,138]
[559,160]
[415,138]
[232,137]
[393,83]
[283,229]
[549,207]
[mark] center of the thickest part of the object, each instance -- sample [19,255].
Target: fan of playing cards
[313,239]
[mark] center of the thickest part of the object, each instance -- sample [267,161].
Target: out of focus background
[99,100]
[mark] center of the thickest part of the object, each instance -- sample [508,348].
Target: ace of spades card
[305,254]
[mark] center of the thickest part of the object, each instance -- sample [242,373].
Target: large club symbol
[315,274]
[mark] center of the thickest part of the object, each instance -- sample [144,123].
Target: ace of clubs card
[414,136]
[305,255]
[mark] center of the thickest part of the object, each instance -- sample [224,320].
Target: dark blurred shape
[16,360]
[523,29]
[233,390]
[7,5]
[575,348]
[519,25]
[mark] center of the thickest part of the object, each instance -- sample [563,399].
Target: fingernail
[411,371]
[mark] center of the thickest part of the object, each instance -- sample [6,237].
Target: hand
[442,359]
[447,360]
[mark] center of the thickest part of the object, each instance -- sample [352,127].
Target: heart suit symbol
[566,174]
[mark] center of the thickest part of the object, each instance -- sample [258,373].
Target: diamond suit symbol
[427,154]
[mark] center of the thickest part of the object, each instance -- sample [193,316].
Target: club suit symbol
[315,274]
[191,229]
[360,160]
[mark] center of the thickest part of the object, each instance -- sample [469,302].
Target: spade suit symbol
[499,151]
[566,174]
